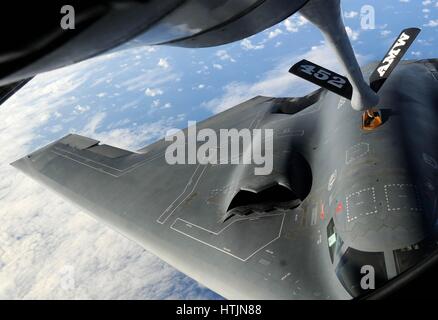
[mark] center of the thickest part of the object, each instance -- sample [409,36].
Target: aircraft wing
[184,213]
[341,205]
[52,34]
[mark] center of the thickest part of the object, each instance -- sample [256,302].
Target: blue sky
[155,83]
[159,82]
[130,99]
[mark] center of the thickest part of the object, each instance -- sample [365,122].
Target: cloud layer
[48,248]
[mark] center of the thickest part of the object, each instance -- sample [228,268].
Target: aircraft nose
[388,216]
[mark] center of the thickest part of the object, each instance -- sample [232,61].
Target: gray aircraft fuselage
[341,198]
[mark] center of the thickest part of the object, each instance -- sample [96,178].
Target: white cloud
[294,23]
[277,82]
[204,70]
[163,63]
[56,128]
[129,138]
[223,55]
[93,124]
[350,14]
[274,33]
[42,236]
[217,66]
[353,35]
[385,33]
[247,45]
[155,74]
[155,103]
[150,92]
[80,109]
[432,23]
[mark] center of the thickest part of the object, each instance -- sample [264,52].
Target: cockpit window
[350,267]
[350,264]
[334,240]
[409,256]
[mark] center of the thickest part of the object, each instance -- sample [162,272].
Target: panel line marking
[216,233]
[188,195]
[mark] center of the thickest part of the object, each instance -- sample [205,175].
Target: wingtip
[18,164]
